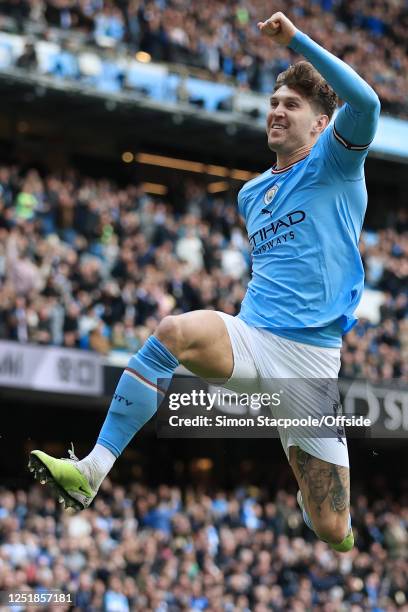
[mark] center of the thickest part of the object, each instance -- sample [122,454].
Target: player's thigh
[200,341]
[325,490]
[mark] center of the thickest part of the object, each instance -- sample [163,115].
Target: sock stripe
[143,380]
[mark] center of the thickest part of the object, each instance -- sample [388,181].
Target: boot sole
[42,474]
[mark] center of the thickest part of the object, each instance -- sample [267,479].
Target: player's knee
[332,529]
[170,332]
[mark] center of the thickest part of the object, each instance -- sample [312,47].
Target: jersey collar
[286,168]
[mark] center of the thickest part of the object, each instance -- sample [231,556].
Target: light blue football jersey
[303,225]
[304,221]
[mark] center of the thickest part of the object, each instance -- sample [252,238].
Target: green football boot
[64,478]
[344,546]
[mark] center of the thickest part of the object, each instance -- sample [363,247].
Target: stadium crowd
[222,38]
[166,550]
[380,351]
[87,264]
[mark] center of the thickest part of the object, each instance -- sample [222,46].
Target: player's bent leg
[199,340]
[325,496]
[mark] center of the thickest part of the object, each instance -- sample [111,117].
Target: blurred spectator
[28,59]
[109,26]
[119,555]
[189,249]
[65,63]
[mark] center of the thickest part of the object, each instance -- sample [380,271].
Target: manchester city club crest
[270,194]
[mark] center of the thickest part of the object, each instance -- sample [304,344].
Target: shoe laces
[71,453]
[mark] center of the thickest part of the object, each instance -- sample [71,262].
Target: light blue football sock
[140,390]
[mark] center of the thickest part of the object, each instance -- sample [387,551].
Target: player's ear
[320,124]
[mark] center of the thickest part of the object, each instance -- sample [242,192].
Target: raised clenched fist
[279,28]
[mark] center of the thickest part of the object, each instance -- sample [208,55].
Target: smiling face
[292,122]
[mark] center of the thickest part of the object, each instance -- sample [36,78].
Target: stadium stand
[163,549]
[88,41]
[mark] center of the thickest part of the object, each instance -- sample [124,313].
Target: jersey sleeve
[356,122]
[241,202]
[352,133]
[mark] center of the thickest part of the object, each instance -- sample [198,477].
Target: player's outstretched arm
[357,120]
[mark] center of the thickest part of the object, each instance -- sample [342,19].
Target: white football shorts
[261,358]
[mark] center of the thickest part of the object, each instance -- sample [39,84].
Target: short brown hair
[304,78]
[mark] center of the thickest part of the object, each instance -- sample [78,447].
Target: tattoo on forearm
[324,481]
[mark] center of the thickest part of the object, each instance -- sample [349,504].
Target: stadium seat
[5,55]
[90,64]
[45,52]
[14,43]
[148,79]
[209,95]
